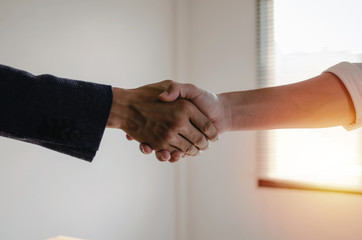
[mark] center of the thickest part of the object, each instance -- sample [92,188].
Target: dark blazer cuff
[64,115]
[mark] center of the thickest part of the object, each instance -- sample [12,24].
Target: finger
[177,144]
[129,138]
[170,94]
[185,145]
[177,90]
[176,156]
[145,148]
[163,155]
[171,154]
[204,124]
[196,137]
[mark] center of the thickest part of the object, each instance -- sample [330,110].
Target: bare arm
[320,102]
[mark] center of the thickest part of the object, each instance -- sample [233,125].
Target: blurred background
[123,194]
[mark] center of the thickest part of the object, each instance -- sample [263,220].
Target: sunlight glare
[310,36]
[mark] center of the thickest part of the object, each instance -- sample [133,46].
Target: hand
[212,105]
[176,127]
[209,103]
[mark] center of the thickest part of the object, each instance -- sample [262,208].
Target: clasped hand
[161,119]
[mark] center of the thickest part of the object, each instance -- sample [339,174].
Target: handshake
[175,120]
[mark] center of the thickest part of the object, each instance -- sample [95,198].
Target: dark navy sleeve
[64,115]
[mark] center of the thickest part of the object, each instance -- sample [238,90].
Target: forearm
[64,115]
[118,108]
[319,102]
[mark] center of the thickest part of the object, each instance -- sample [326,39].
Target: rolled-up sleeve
[351,76]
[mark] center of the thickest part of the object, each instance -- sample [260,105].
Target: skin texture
[178,127]
[319,102]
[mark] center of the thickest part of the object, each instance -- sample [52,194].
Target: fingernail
[174,160]
[199,152]
[164,158]
[216,139]
[142,149]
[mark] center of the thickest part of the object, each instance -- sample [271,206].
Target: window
[299,40]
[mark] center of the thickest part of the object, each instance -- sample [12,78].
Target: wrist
[226,113]
[118,108]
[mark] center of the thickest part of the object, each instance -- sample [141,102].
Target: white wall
[122,194]
[221,197]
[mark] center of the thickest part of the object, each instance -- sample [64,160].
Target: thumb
[178,90]
[170,94]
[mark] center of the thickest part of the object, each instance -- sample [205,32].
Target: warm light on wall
[317,157]
[297,48]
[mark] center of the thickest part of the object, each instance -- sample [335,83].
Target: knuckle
[190,86]
[158,146]
[175,125]
[169,83]
[192,150]
[202,143]
[206,126]
[164,131]
[161,143]
[168,137]
[185,105]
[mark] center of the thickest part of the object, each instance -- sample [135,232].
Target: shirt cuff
[351,76]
